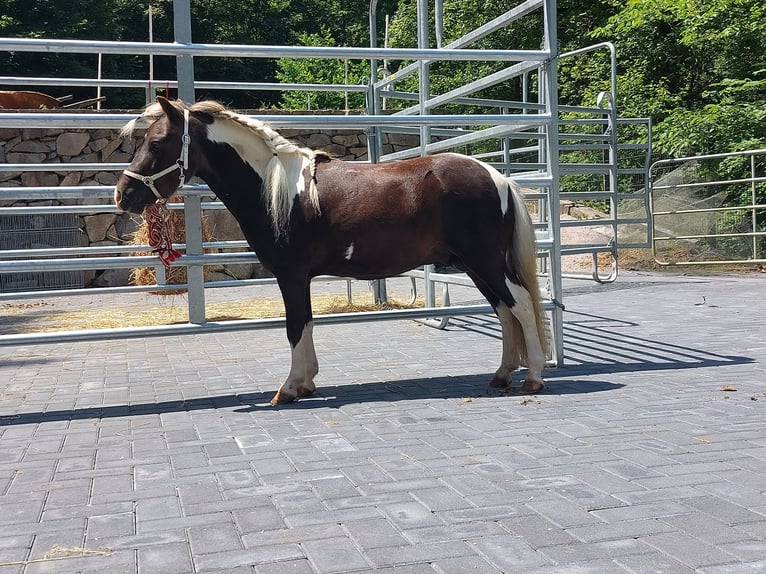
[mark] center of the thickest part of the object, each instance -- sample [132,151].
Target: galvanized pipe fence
[693,220]
[531,135]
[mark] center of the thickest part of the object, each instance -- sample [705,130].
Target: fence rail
[696,219]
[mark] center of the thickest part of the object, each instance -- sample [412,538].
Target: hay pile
[170,310]
[173,275]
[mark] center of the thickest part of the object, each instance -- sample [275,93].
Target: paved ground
[161,455]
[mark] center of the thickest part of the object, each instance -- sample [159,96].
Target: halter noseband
[182,164]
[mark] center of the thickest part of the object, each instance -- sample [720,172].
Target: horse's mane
[278,190]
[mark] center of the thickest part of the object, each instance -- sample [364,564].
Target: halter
[182,164]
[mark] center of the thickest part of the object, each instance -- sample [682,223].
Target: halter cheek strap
[182,164]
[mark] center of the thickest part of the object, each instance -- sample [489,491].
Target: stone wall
[19,146]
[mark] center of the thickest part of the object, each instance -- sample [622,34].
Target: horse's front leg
[304,365]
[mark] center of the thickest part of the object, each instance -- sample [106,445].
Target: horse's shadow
[462,387]
[595,352]
[570,380]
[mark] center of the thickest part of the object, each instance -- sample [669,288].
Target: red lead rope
[160,229]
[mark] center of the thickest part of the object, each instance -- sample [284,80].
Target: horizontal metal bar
[111,121]
[709,262]
[600,222]
[533,179]
[61,192]
[199,84]
[256,51]
[711,183]
[69,120]
[79,209]
[709,156]
[584,168]
[711,236]
[712,209]
[104,249]
[12,296]
[63,167]
[84,82]
[32,265]
[581,249]
[584,110]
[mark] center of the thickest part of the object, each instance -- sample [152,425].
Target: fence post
[195,276]
[184,64]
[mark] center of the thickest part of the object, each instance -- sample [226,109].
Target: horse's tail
[522,259]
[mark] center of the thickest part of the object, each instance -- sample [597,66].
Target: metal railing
[535,118]
[713,211]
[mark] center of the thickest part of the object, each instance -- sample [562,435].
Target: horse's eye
[154,146]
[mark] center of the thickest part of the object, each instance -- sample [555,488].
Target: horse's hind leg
[509,361]
[512,301]
[524,312]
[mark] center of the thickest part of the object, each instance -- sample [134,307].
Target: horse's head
[163,161]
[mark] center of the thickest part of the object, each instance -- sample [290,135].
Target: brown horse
[305,214]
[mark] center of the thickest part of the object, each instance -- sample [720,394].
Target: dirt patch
[167,311]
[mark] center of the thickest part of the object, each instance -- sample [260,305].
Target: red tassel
[160,230]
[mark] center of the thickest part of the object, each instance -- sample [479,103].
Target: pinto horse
[306,214]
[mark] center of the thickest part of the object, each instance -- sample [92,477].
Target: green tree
[696,67]
[322,71]
[85,20]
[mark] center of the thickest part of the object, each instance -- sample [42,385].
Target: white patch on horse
[349,251]
[524,312]
[304,365]
[501,182]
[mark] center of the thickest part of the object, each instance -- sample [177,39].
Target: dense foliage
[696,67]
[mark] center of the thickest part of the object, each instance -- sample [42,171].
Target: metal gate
[709,209]
[25,232]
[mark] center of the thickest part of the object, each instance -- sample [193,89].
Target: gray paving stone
[563,512]
[620,530]
[739,568]
[334,555]
[632,460]
[463,531]
[706,528]
[231,559]
[421,554]
[656,563]
[285,567]
[509,552]
[408,515]
[688,550]
[588,552]
[464,565]
[209,539]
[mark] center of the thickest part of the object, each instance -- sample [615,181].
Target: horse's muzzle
[132,198]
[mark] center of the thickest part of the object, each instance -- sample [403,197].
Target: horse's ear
[172,112]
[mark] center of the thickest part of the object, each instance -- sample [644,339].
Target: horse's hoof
[282,398]
[306,391]
[531,387]
[498,383]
